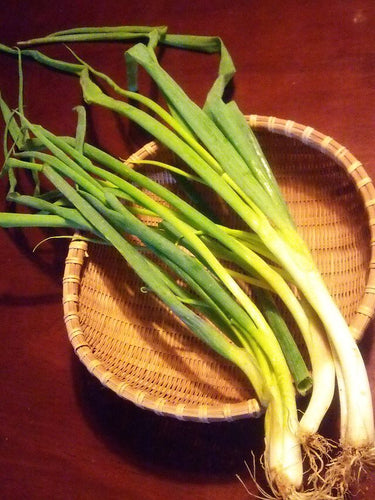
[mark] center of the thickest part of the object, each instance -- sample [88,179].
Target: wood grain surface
[62,435]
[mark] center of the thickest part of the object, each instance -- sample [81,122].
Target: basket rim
[77,254]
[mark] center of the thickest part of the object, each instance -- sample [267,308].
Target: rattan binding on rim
[140,351]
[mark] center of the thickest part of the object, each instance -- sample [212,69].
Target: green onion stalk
[221,153]
[251,344]
[275,229]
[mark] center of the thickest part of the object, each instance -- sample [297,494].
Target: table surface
[62,435]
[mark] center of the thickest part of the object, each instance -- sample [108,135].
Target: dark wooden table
[62,435]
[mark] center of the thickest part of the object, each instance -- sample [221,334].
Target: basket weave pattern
[135,347]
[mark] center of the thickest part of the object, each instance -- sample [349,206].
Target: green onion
[245,322]
[217,150]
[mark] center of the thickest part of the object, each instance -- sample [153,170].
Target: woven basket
[138,349]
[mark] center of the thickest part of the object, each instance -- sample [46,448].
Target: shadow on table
[191,451]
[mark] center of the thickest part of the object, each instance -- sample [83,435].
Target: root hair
[318,451]
[346,470]
[317,486]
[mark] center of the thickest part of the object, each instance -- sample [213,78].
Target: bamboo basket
[139,350]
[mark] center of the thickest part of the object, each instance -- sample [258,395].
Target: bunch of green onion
[187,257]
